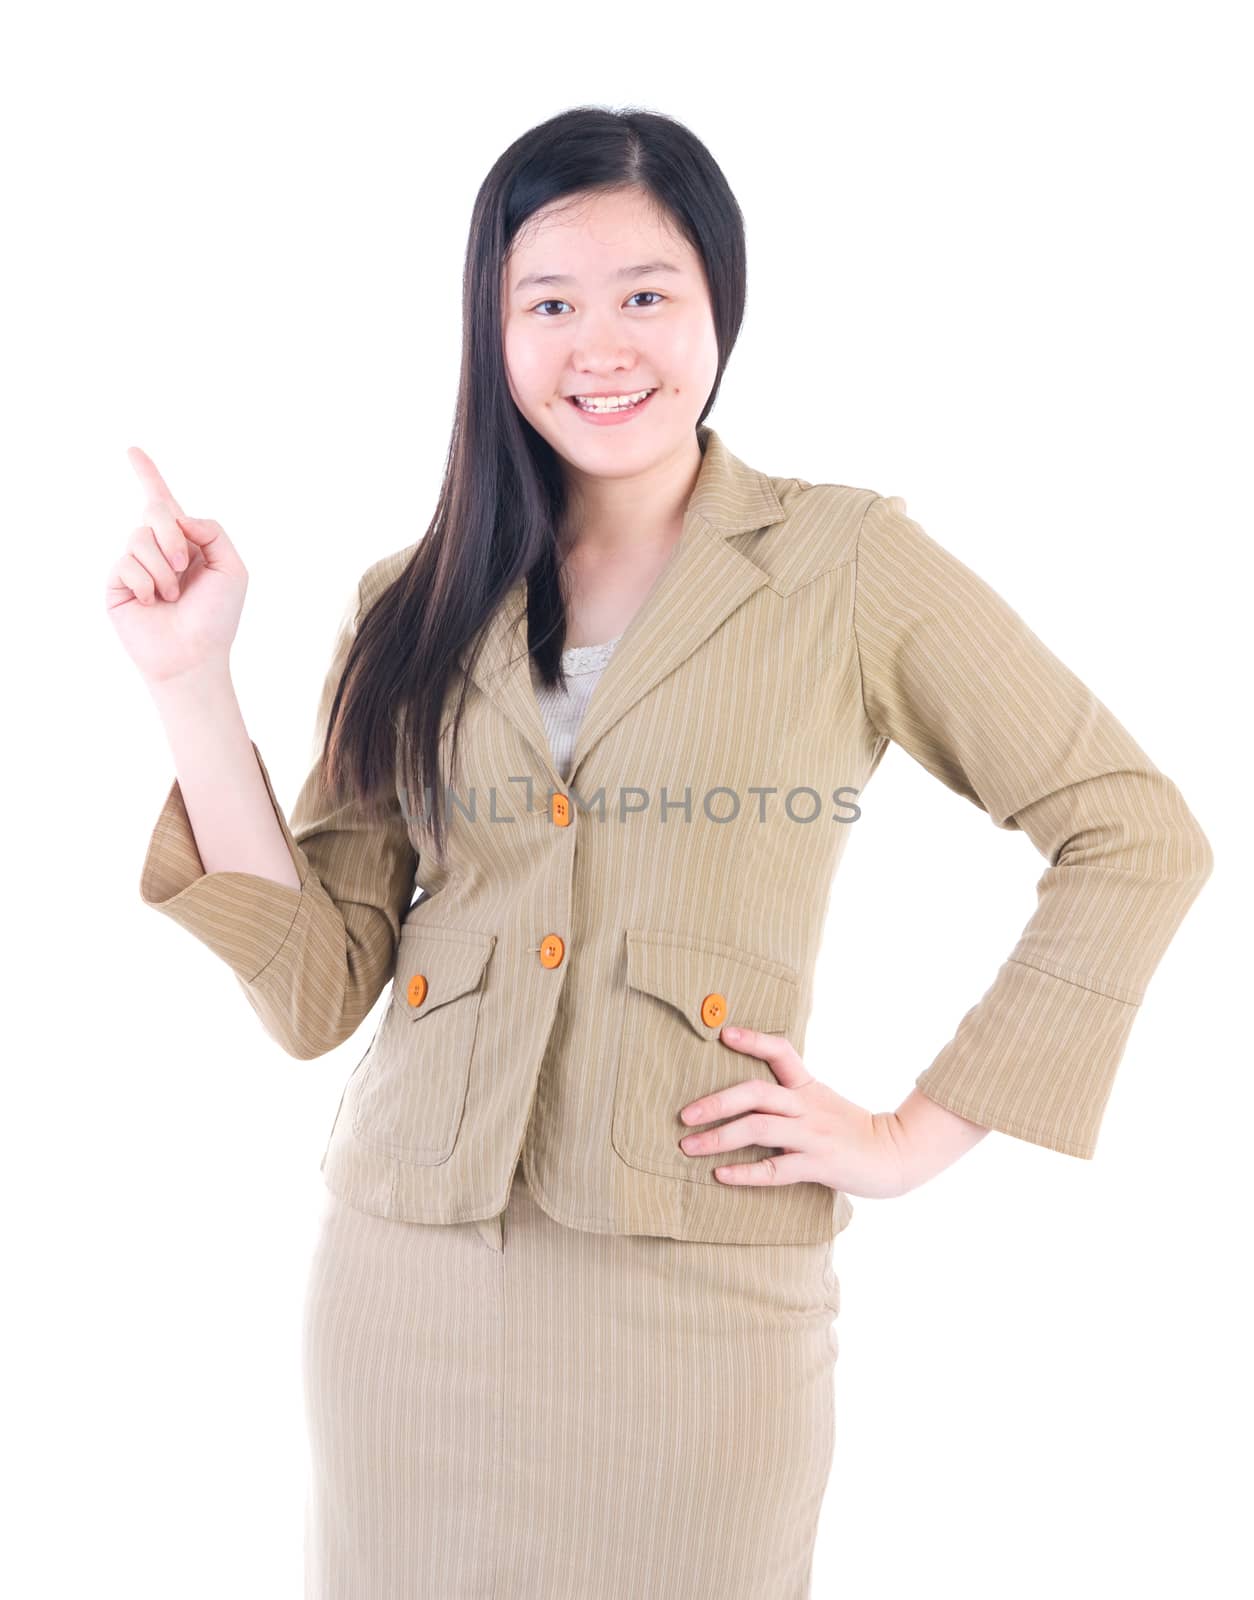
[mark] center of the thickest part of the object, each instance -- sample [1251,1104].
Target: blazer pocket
[670,1055]
[412,1095]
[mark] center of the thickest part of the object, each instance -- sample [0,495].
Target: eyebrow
[624,272]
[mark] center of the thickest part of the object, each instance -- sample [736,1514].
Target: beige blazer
[559,986]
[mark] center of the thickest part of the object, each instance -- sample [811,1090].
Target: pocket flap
[684,970]
[435,965]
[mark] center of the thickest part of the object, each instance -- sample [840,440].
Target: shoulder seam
[857,584]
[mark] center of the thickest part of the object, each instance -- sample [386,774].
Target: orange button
[713,1010]
[551,950]
[416,992]
[560,810]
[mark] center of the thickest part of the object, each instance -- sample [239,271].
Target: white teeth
[616,403]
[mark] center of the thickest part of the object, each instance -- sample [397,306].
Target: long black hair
[503,494]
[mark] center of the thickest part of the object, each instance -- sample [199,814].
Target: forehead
[589,239]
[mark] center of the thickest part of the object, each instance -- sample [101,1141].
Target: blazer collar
[705,579]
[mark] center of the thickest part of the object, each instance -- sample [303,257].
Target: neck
[606,517]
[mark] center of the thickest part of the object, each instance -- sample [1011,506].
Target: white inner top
[563,711]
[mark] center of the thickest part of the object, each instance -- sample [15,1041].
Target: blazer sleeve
[312,961]
[954,675]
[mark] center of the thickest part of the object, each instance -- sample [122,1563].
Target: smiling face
[624,308]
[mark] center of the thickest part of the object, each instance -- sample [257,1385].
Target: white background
[997,268]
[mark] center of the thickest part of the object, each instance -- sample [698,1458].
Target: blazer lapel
[503,673]
[703,582]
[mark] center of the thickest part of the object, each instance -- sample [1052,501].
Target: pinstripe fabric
[443,1462]
[795,631]
[539,1411]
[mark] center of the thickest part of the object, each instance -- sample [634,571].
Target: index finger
[154,484]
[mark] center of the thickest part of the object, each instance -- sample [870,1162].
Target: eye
[546,318]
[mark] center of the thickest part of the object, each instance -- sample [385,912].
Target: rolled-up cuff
[245,919]
[1034,1058]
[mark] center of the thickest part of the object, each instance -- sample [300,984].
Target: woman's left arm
[952,673]
[929,1138]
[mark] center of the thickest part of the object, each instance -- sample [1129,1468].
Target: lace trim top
[563,711]
[580,658]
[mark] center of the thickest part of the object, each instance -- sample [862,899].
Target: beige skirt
[517,1410]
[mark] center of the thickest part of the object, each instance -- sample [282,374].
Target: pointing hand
[176,595]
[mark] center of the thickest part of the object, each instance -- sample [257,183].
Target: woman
[555,1346]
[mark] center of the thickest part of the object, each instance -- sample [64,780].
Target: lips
[621,395]
[617,416]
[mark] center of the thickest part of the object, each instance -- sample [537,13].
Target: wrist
[929,1137]
[210,683]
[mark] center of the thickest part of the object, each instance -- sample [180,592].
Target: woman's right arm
[307,913]
[221,785]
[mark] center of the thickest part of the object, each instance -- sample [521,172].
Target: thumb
[209,537]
